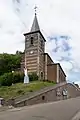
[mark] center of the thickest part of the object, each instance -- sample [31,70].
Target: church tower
[34,50]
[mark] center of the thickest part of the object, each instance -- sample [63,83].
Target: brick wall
[48,60]
[55,73]
[52,72]
[62,76]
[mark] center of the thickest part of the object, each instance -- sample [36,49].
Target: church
[36,60]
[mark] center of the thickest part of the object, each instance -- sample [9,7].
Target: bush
[33,77]
[17,77]
[8,78]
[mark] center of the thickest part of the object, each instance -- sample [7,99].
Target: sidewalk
[4,108]
[77,116]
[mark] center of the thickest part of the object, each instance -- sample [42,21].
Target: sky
[59,22]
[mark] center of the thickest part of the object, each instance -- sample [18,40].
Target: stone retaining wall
[53,94]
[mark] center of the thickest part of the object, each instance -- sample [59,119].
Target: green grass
[21,89]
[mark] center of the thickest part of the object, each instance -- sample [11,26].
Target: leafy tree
[6,79]
[9,62]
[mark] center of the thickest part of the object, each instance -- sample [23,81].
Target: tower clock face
[31,52]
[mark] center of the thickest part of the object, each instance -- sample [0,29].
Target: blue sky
[59,21]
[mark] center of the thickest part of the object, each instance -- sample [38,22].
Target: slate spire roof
[35,25]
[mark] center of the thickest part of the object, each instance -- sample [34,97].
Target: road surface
[62,110]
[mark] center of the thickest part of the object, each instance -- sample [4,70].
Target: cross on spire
[35,8]
[35,25]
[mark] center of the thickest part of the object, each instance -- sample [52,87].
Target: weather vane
[35,9]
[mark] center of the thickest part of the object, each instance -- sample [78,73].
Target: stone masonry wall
[53,94]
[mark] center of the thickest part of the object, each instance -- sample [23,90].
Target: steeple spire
[35,25]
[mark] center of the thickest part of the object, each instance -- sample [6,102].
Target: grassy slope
[21,89]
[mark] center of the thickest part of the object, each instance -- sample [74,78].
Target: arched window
[31,40]
[41,74]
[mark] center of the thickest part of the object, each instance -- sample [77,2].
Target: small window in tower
[31,40]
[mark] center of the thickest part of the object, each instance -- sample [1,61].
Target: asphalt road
[62,110]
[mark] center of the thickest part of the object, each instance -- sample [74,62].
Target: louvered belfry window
[31,40]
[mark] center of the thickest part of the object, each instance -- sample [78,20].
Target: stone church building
[36,60]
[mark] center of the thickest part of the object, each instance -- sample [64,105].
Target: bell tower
[34,50]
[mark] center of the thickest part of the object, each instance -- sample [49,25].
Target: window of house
[31,40]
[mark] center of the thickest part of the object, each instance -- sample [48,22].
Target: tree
[9,62]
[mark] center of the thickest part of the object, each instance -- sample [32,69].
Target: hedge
[7,79]
[33,76]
